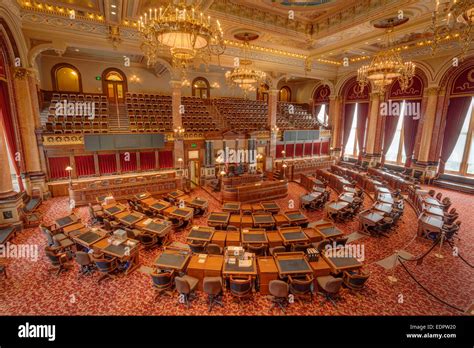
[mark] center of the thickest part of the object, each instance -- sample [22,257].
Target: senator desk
[235,220]
[385,198]
[429,224]
[341,263]
[114,209]
[382,189]
[74,229]
[280,219]
[293,235]
[385,208]
[239,269]
[127,252]
[204,265]
[174,195]
[336,206]
[219,238]
[274,239]
[293,263]
[184,213]
[348,198]
[267,271]
[432,201]
[232,238]
[66,221]
[257,208]
[156,205]
[246,221]
[434,210]
[231,207]
[142,196]
[296,217]
[329,232]
[348,189]
[128,219]
[198,204]
[201,234]
[254,236]
[88,238]
[270,206]
[313,234]
[217,219]
[308,198]
[263,220]
[158,227]
[369,219]
[172,259]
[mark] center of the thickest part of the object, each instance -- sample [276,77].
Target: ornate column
[177,108]
[335,122]
[374,128]
[28,119]
[10,201]
[426,126]
[271,122]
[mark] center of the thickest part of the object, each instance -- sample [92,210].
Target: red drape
[307,149]
[390,127]
[279,149]
[84,165]
[147,161]
[128,161]
[316,147]
[325,148]
[299,150]
[290,150]
[57,167]
[6,116]
[348,116]
[107,164]
[362,113]
[456,114]
[165,159]
[410,126]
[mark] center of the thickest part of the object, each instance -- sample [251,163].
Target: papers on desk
[245,263]
[148,221]
[202,258]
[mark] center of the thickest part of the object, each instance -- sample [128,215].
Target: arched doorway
[114,85]
[66,78]
[285,94]
[201,88]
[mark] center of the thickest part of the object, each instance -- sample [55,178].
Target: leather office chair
[214,249]
[355,280]
[85,262]
[279,291]
[438,196]
[257,249]
[162,282]
[240,287]
[330,287]
[300,246]
[148,240]
[196,246]
[341,241]
[185,286]
[321,246]
[302,287]
[212,286]
[48,234]
[277,249]
[232,228]
[58,259]
[107,267]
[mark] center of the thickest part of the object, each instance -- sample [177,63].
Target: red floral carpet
[31,290]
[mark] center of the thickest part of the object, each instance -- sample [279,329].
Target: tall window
[352,147]
[66,78]
[461,160]
[322,115]
[201,88]
[285,94]
[396,151]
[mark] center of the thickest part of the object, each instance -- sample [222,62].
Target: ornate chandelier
[452,19]
[387,65]
[244,74]
[182,30]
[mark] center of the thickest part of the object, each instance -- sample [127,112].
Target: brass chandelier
[182,30]
[452,19]
[244,74]
[387,65]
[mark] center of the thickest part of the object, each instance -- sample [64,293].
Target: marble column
[10,201]
[335,122]
[372,142]
[28,119]
[271,123]
[426,126]
[177,109]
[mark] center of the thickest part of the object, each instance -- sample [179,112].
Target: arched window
[201,88]
[285,94]
[66,78]
[114,84]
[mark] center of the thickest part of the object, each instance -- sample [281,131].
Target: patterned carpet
[31,290]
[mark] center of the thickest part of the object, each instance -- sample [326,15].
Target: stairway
[118,118]
[220,121]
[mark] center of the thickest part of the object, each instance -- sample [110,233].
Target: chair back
[52,256]
[277,249]
[355,281]
[197,247]
[257,249]
[162,279]
[182,285]
[48,234]
[342,240]
[105,265]
[334,285]
[83,258]
[301,286]
[300,246]
[214,249]
[240,286]
[212,285]
[278,288]
[231,228]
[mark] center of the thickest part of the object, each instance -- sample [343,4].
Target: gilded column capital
[375,95]
[21,73]
[432,91]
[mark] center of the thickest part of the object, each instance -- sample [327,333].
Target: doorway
[115,85]
[194,173]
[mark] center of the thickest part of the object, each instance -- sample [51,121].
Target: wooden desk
[129,218]
[126,252]
[217,219]
[157,205]
[199,204]
[235,220]
[296,217]
[219,238]
[172,259]
[320,268]
[159,227]
[232,238]
[385,208]
[328,232]
[433,201]
[334,207]
[267,271]
[254,236]
[246,221]
[66,221]
[428,224]
[78,226]
[280,219]
[88,238]
[385,198]
[201,233]
[292,264]
[291,235]
[179,213]
[238,270]
[434,210]
[339,264]
[142,196]
[173,195]
[231,207]
[313,234]
[114,209]
[257,207]
[382,190]
[203,265]
[246,207]
[263,220]
[346,198]
[270,206]
[274,239]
